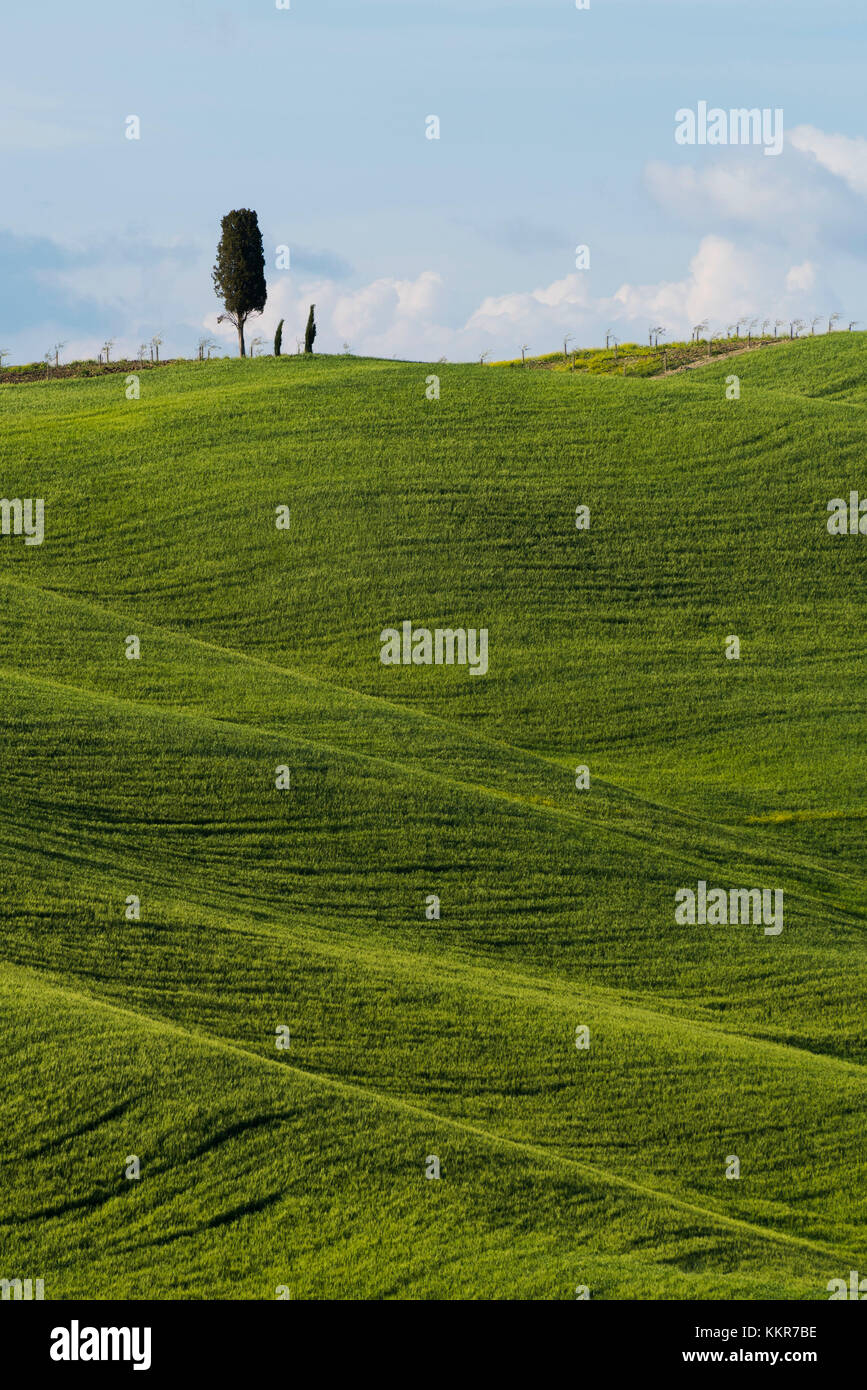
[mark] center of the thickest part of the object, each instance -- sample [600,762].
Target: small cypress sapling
[310,333]
[278,339]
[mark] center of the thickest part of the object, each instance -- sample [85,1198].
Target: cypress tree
[310,333]
[239,273]
[278,339]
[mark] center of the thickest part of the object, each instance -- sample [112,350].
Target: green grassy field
[266,1168]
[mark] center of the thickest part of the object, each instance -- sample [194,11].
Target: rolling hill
[301,913]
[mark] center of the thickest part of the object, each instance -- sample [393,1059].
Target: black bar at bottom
[81,1338]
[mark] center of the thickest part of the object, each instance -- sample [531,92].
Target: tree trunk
[242,349]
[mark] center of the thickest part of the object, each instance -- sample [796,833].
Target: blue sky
[557,129]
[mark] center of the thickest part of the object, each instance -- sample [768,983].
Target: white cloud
[811,192]
[726,284]
[387,317]
[839,154]
[551,306]
[756,193]
[406,318]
